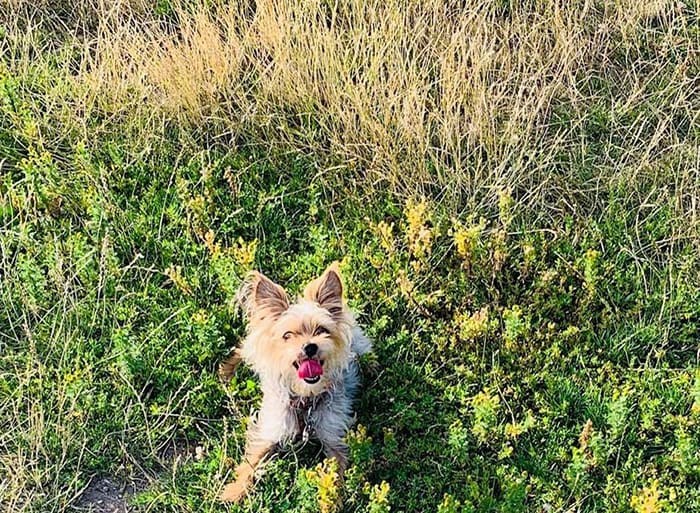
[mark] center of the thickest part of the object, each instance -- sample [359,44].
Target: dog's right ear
[261,298]
[327,291]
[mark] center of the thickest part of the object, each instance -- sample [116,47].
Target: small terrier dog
[305,354]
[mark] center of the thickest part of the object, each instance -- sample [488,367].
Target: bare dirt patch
[104,495]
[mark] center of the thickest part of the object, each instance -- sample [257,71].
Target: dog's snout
[310,350]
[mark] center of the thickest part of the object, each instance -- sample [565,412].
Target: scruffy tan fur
[280,337]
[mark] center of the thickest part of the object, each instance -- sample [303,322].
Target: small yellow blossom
[418,234]
[416,215]
[417,266]
[486,408]
[196,206]
[378,497]
[244,253]
[174,272]
[648,499]
[358,436]
[211,244]
[72,377]
[385,232]
[200,317]
[449,504]
[499,251]
[515,429]
[473,326]
[505,207]
[326,479]
[505,452]
[529,254]
[405,284]
[516,325]
[591,261]
[570,331]
[467,237]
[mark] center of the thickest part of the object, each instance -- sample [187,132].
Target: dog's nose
[310,350]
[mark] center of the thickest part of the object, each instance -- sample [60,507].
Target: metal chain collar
[305,408]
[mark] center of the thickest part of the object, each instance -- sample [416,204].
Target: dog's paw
[234,492]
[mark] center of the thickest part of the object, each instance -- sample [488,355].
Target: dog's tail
[229,365]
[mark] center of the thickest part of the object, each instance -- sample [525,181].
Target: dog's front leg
[339,452]
[255,451]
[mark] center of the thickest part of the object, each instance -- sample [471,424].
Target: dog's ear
[327,291]
[261,298]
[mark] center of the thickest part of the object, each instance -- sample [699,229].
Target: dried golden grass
[446,96]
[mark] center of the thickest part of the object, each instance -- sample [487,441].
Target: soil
[103,495]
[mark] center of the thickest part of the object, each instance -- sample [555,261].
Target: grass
[512,188]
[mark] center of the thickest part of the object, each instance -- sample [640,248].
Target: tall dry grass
[452,98]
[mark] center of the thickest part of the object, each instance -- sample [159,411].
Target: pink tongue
[309,369]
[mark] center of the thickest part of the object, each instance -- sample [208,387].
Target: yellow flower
[505,207]
[358,435]
[244,252]
[378,497]
[647,500]
[449,504]
[200,317]
[174,272]
[418,234]
[416,215]
[405,284]
[514,430]
[326,479]
[385,232]
[473,326]
[466,237]
[485,406]
[498,246]
[529,254]
[213,246]
[505,452]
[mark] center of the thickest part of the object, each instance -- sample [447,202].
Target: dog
[306,356]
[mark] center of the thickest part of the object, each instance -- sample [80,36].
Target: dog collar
[305,408]
[307,402]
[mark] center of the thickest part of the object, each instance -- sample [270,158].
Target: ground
[511,189]
[103,496]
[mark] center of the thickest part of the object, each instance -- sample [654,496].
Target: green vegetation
[518,230]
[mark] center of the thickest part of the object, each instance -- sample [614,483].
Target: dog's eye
[287,335]
[320,331]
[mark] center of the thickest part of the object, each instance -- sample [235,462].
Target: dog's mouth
[310,370]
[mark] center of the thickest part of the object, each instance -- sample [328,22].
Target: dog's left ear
[327,291]
[261,298]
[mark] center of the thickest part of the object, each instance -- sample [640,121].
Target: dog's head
[304,346]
